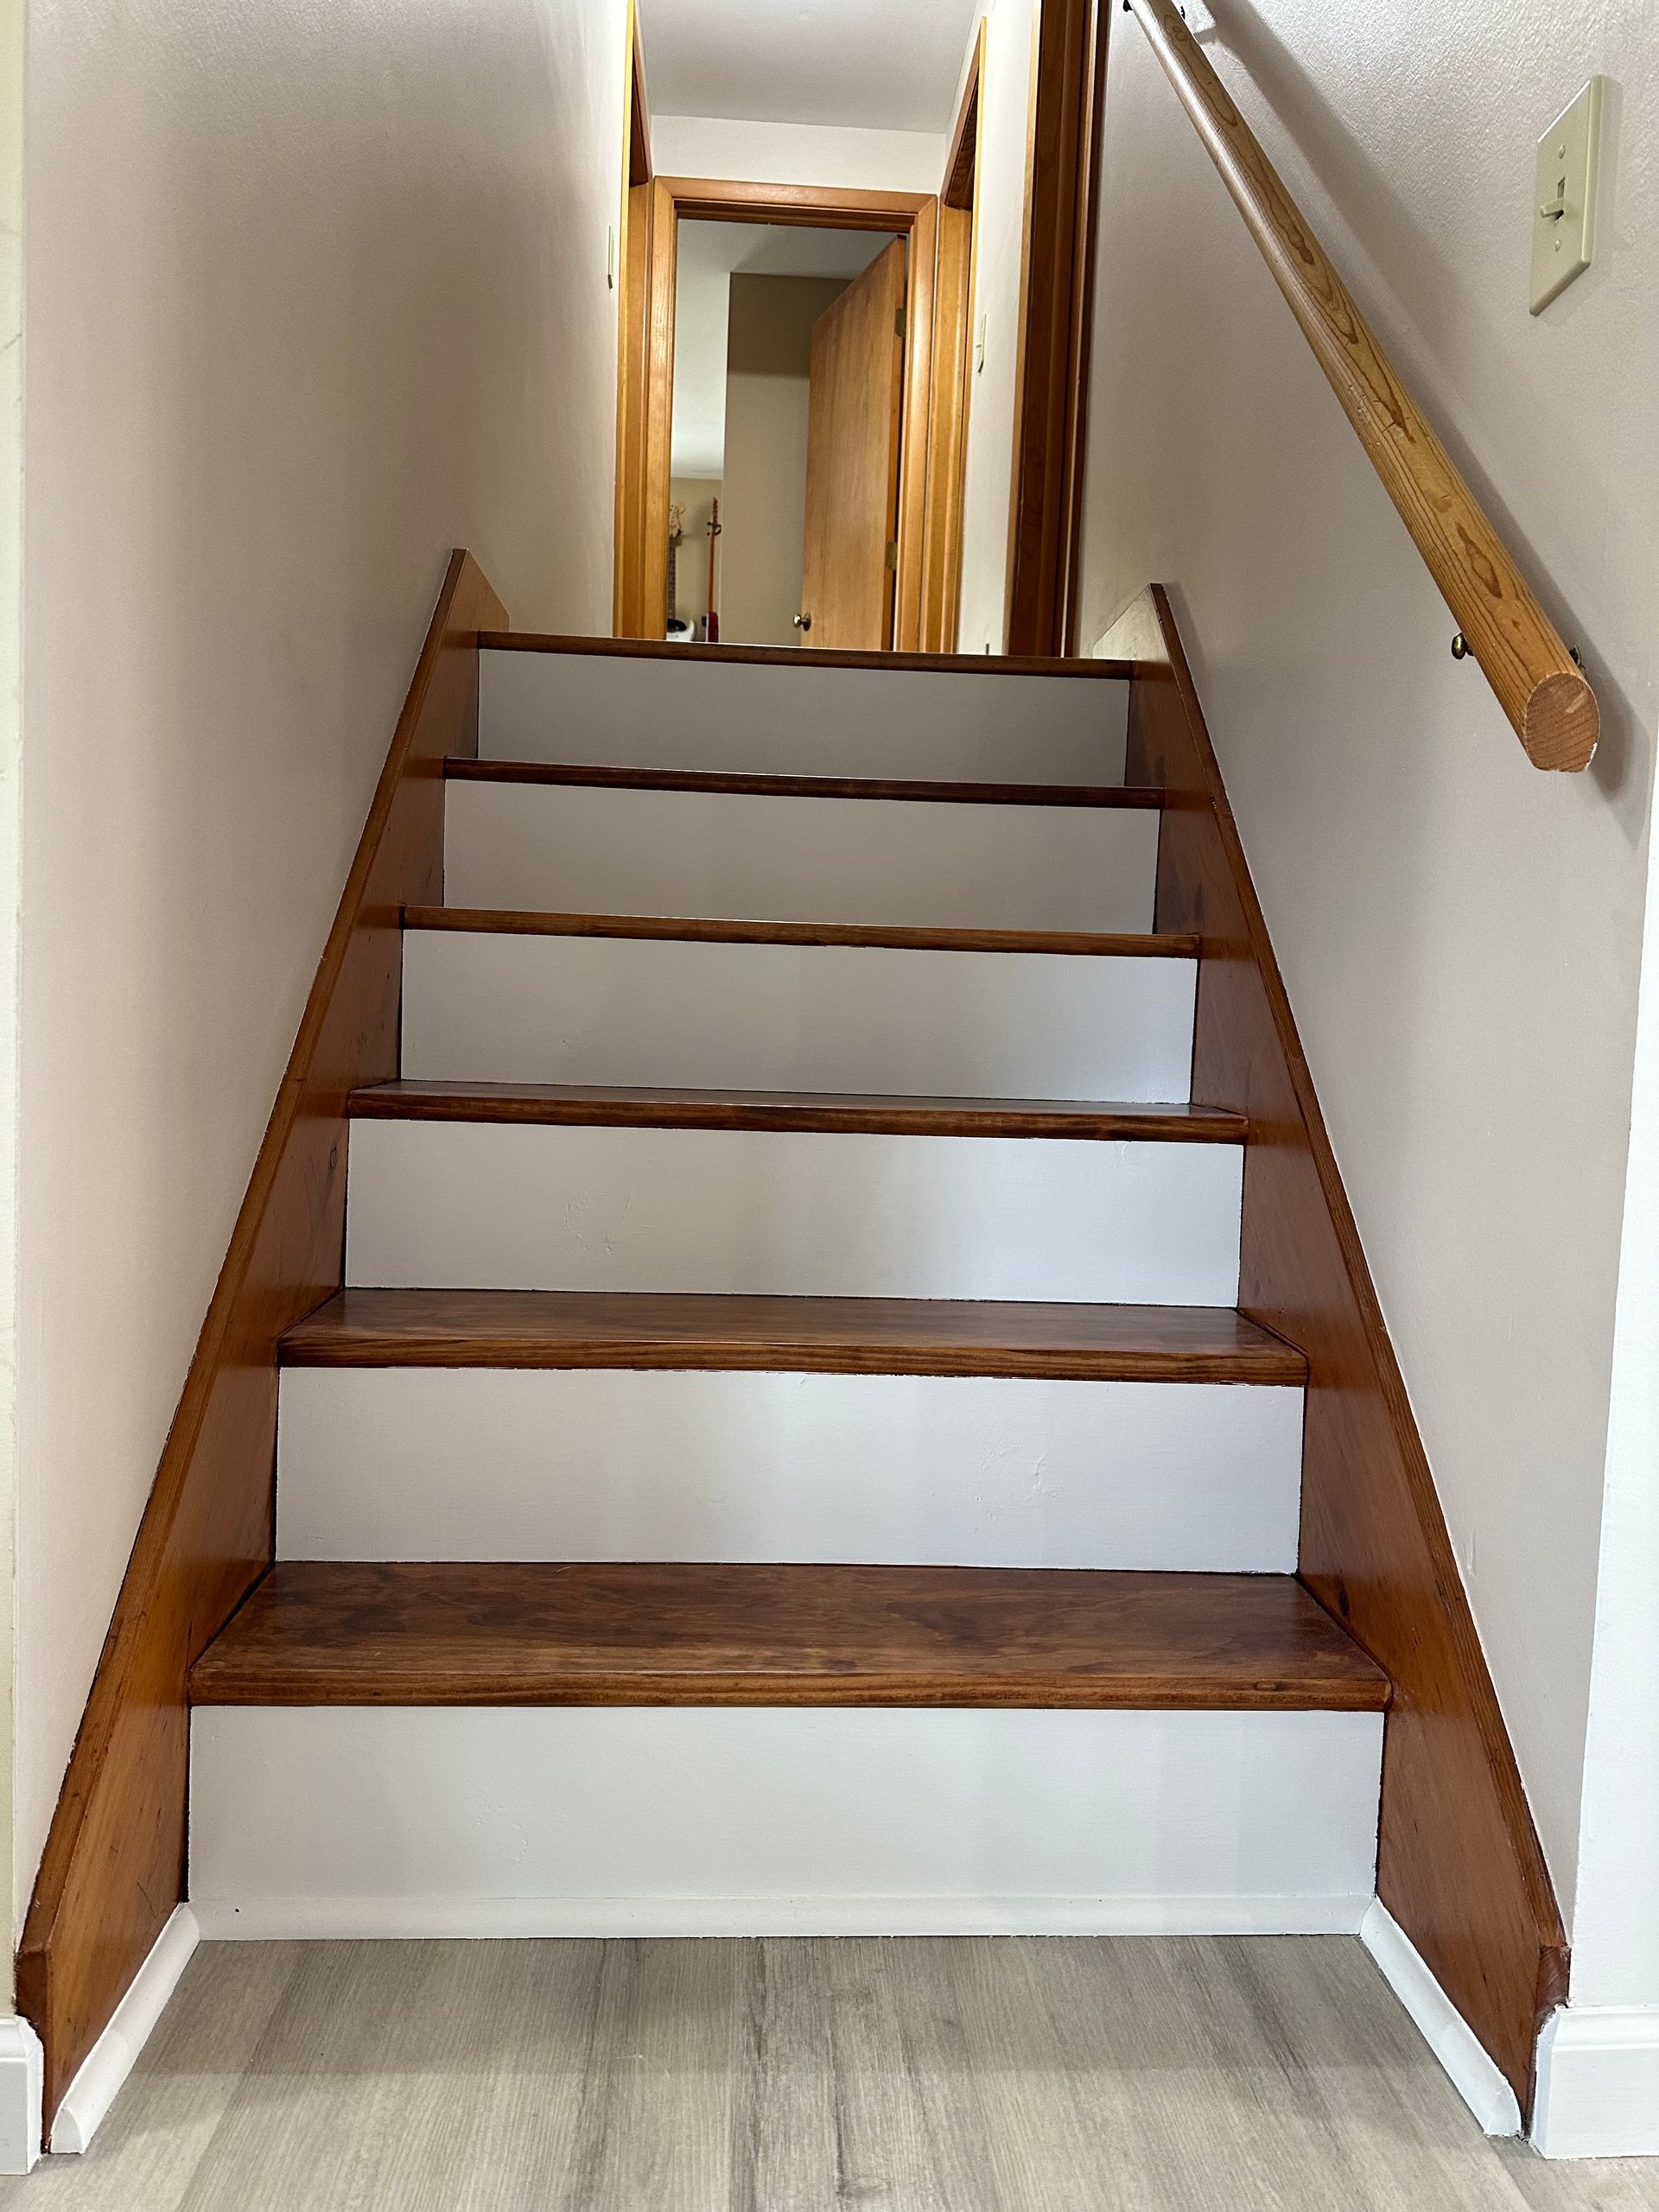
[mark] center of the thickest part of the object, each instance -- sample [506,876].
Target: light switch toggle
[1564,220]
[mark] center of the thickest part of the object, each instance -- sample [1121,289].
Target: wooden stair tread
[855,1336]
[587,1105]
[728,784]
[515,922]
[359,1633]
[786,657]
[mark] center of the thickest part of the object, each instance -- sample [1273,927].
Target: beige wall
[697,494]
[999,198]
[1459,933]
[768,391]
[313,295]
[797,153]
[11,528]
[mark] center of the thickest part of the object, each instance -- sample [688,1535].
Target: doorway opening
[787,417]
[822,299]
[924,498]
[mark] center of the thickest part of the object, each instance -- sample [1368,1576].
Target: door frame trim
[646,347]
[956,285]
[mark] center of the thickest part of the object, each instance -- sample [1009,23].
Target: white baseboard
[382,1919]
[1598,2083]
[111,2058]
[1472,2073]
[22,2075]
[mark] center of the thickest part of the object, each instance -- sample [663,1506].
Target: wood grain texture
[819,1335]
[952,382]
[114,1861]
[1545,695]
[855,423]
[589,1106]
[1087,671]
[632,255]
[1054,339]
[644,445]
[1460,1867]
[713,199]
[640,168]
[947,438]
[356,1633]
[646,343]
[934,2073]
[1128,796]
[910,537]
[499,922]
[962,159]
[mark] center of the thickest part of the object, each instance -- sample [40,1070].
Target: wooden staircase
[788,1273]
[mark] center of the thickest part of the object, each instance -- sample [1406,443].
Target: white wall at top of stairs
[918,864]
[603,709]
[522,1008]
[492,1206]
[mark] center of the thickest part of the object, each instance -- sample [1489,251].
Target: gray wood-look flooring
[1033,2075]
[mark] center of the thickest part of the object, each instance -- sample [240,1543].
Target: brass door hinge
[893,556]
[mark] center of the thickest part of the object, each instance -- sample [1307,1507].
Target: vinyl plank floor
[927,2075]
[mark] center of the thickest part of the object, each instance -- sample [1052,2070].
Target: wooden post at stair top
[113,1868]
[1539,687]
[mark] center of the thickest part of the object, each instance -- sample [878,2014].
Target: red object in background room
[713,612]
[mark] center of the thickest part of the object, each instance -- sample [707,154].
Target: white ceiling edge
[792,153]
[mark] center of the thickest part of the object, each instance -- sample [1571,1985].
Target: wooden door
[852,461]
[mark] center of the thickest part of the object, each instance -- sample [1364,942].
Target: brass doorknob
[803,621]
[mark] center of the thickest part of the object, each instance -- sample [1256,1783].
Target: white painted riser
[600,711]
[568,849]
[488,1008]
[347,1822]
[927,1470]
[488,1206]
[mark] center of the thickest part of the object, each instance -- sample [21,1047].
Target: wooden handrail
[1538,684]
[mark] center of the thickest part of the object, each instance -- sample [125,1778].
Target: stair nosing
[1084,668]
[583,1106]
[633,1330]
[492,921]
[686,1633]
[720,783]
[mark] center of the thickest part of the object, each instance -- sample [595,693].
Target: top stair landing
[598,703]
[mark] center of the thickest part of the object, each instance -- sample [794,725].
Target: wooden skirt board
[1460,1866]
[964,1471]
[780,714]
[113,1866]
[506,1206]
[753,857]
[350,1821]
[521,1007]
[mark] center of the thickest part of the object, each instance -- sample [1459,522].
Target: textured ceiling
[890,65]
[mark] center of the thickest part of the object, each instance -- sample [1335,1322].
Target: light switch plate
[1564,197]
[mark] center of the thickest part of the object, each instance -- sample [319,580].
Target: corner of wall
[11,517]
